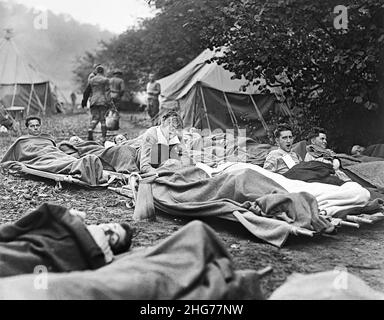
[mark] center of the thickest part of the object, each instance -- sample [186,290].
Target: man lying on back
[37,150]
[33,125]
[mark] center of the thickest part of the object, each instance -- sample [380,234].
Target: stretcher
[142,202]
[57,177]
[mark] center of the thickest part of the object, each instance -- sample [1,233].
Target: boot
[90,135]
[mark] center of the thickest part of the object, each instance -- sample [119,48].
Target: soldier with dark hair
[33,125]
[282,159]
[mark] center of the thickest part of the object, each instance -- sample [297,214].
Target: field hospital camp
[203,150]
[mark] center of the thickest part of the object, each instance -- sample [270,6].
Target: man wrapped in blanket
[58,239]
[38,151]
[318,151]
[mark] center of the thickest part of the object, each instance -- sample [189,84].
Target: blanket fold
[51,237]
[41,153]
[190,264]
[191,192]
[119,158]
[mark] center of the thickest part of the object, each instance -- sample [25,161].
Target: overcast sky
[113,15]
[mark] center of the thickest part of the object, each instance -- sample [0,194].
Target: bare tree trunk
[380,87]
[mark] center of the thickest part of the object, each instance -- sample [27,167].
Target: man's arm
[157,88]
[122,88]
[270,163]
[86,94]
[108,90]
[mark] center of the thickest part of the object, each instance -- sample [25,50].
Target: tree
[162,44]
[332,73]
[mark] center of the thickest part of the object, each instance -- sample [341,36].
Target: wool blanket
[371,172]
[375,150]
[263,206]
[330,198]
[49,239]
[190,264]
[118,158]
[41,153]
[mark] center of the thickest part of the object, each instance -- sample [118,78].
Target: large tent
[209,96]
[22,84]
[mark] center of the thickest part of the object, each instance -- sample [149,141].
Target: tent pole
[38,99]
[230,110]
[45,97]
[205,108]
[259,114]
[14,94]
[30,99]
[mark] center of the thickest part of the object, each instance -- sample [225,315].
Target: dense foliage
[330,75]
[162,44]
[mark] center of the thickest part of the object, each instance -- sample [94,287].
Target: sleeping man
[55,239]
[116,157]
[38,150]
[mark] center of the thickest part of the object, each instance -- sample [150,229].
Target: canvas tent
[207,97]
[22,84]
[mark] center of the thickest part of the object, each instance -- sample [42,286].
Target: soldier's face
[285,140]
[320,140]
[34,127]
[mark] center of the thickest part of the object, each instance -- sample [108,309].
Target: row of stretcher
[133,186]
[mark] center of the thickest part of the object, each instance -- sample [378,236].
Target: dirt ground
[360,251]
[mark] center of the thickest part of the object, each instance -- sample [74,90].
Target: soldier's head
[172,123]
[357,150]
[33,125]
[119,236]
[283,137]
[152,77]
[99,69]
[318,137]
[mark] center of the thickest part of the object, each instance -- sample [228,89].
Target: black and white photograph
[209,151]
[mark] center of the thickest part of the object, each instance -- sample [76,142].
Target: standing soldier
[100,101]
[153,91]
[117,87]
[73,100]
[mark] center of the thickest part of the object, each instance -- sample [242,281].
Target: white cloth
[330,198]
[289,161]
[101,240]
[163,140]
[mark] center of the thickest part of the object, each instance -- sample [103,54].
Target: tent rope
[205,108]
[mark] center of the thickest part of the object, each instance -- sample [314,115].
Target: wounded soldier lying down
[120,158]
[38,150]
[55,239]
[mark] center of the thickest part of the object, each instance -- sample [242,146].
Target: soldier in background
[100,102]
[153,92]
[117,87]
